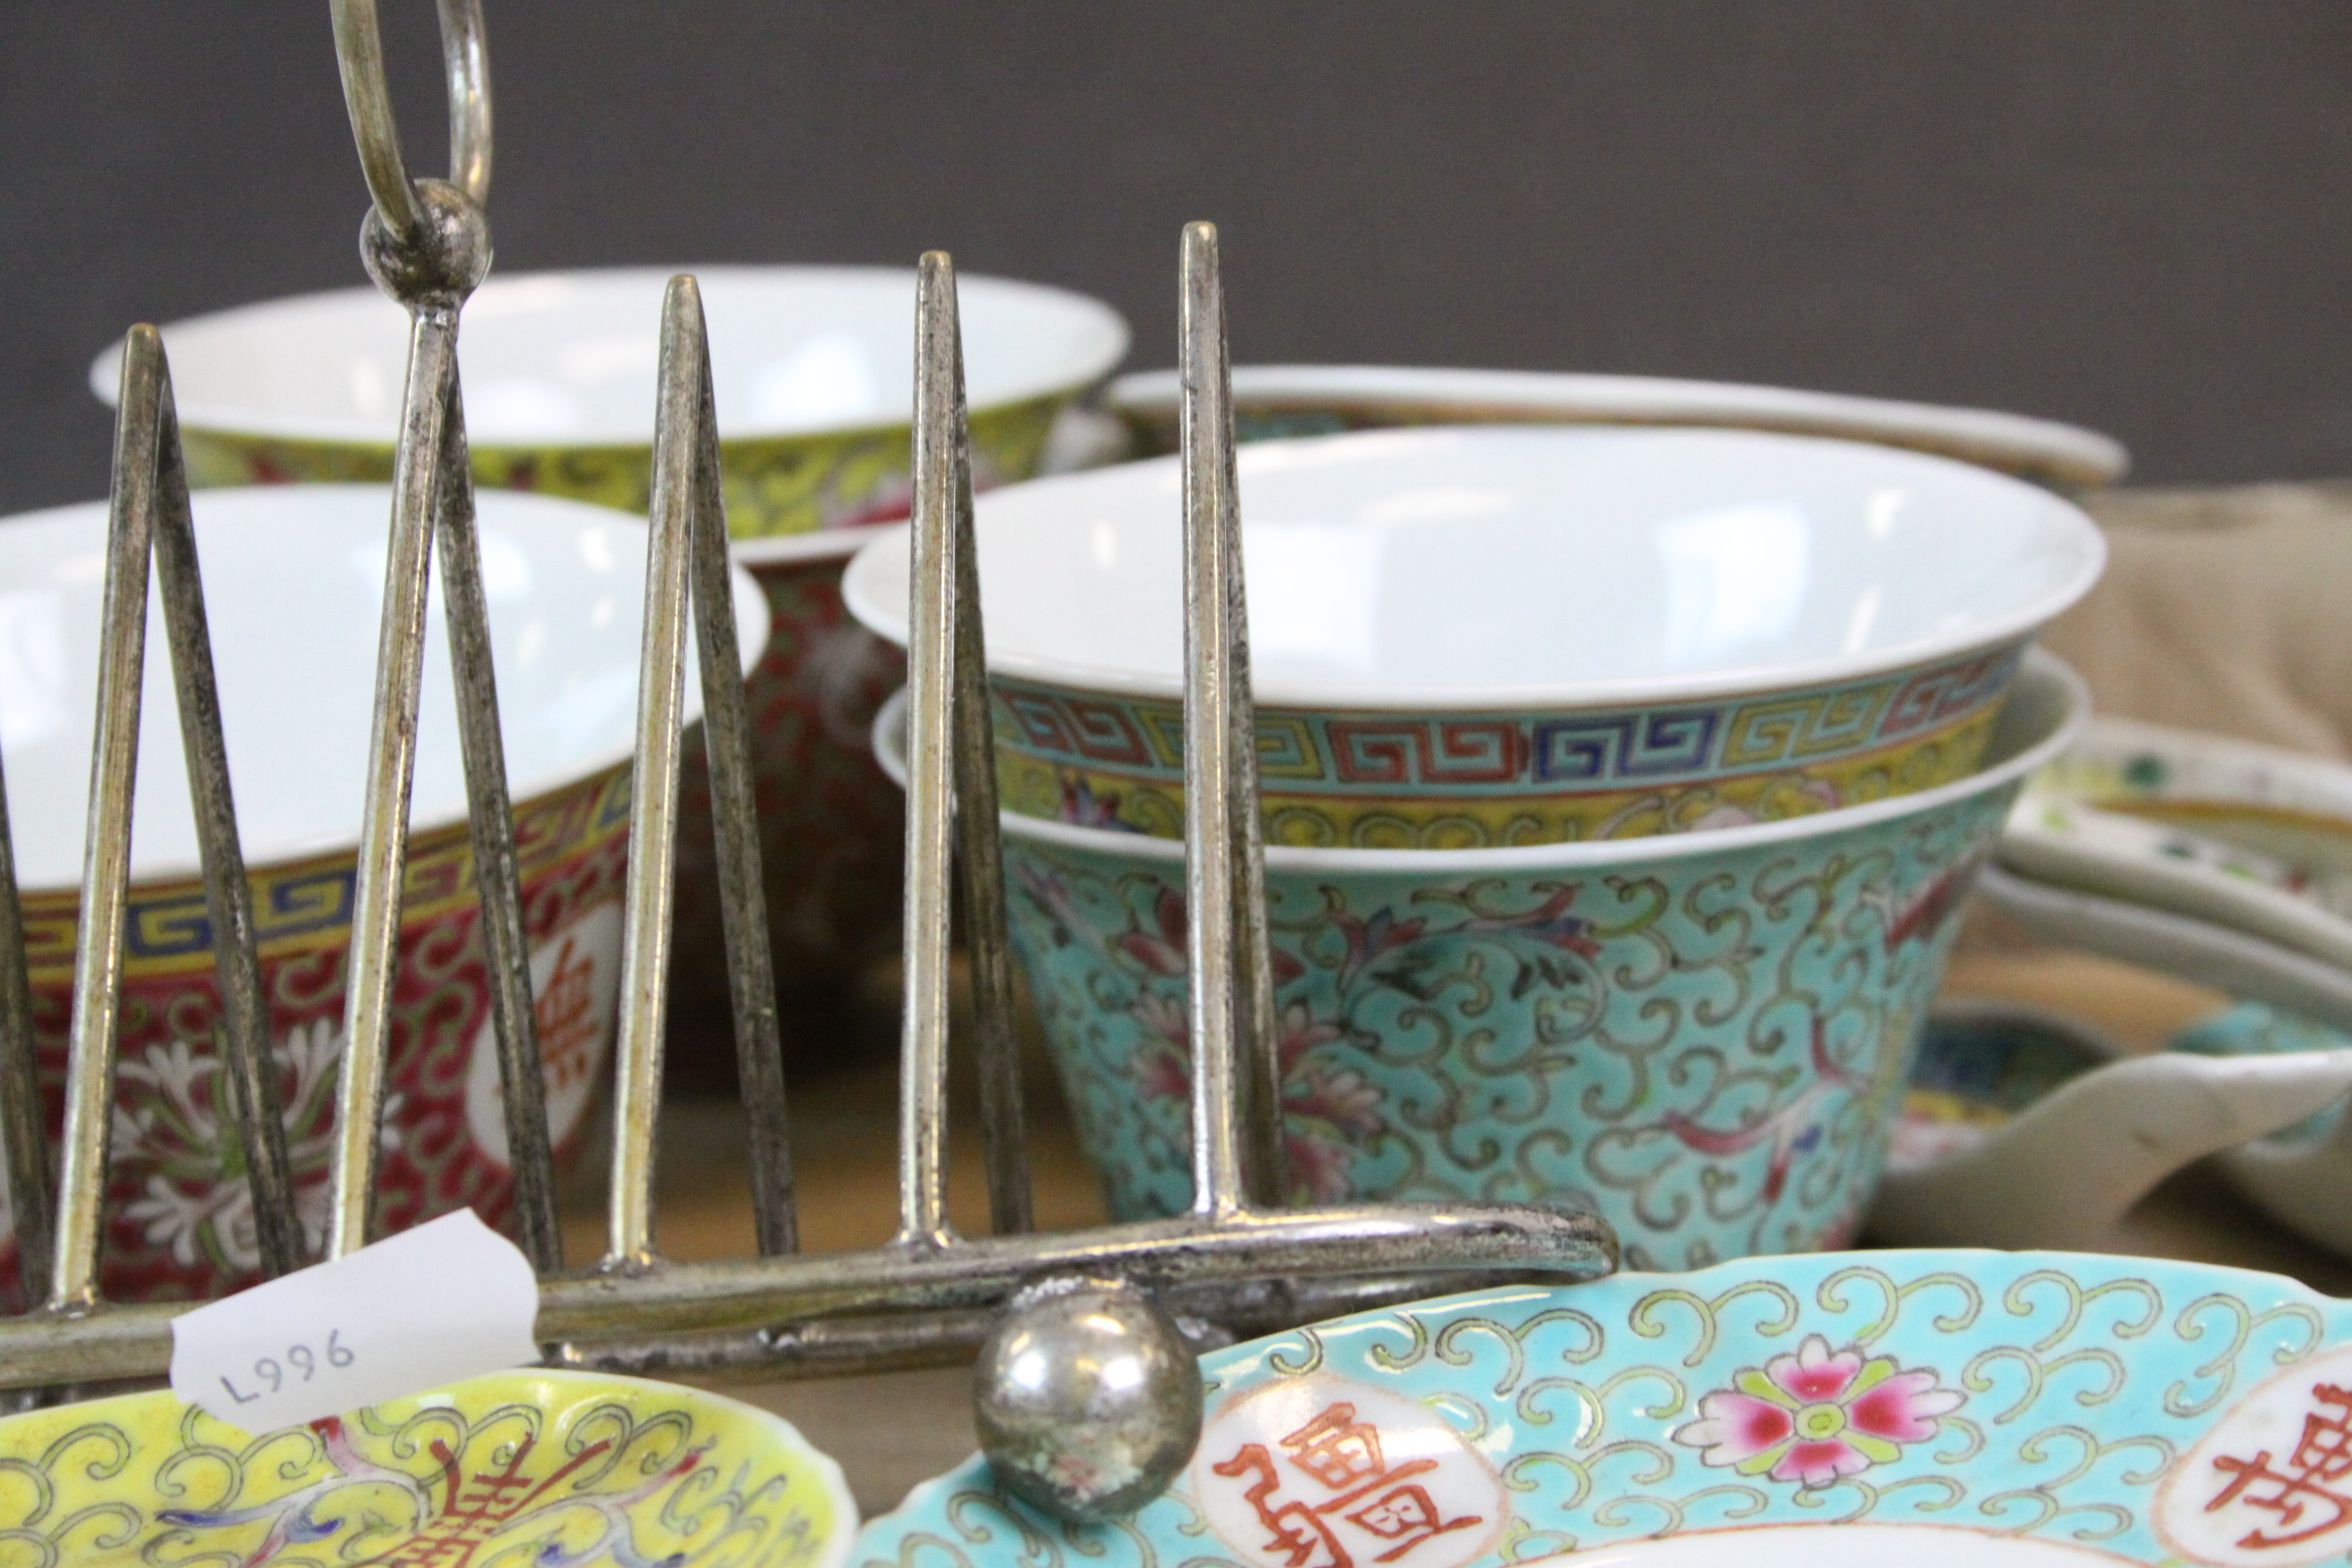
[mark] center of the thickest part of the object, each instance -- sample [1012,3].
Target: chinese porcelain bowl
[293,580]
[1705,1039]
[1486,637]
[1944,1409]
[557,1469]
[1298,400]
[814,376]
[813,368]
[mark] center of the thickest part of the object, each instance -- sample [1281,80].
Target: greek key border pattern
[309,904]
[1382,754]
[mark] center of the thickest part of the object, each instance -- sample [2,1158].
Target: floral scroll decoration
[775,485]
[517,1470]
[2147,1412]
[1707,1051]
[195,1203]
[1813,1417]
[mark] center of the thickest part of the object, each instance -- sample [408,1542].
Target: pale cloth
[2223,610]
[2220,612]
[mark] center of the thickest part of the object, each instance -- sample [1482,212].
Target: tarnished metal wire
[941,476]
[428,246]
[726,735]
[432,492]
[943,480]
[686,558]
[359,52]
[23,1136]
[391,772]
[1236,1086]
[148,520]
[243,1034]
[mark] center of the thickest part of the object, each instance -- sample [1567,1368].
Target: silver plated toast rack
[1241,1259]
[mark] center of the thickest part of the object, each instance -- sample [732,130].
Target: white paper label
[449,1299]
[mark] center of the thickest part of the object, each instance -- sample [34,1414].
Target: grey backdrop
[2131,213]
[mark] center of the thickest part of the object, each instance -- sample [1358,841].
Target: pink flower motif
[1381,932]
[1344,1098]
[1082,807]
[1165,1017]
[1318,1168]
[1051,895]
[1815,1417]
[1163,1075]
[1298,1032]
[1160,950]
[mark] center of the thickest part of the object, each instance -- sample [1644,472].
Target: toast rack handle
[359,53]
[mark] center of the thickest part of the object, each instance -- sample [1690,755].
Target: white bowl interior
[293,583]
[1451,567]
[570,357]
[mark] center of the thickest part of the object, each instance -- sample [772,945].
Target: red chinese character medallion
[1320,1473]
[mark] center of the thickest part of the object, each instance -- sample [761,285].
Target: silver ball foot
[1087,1398]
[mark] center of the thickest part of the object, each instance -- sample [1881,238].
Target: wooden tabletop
[891,1432]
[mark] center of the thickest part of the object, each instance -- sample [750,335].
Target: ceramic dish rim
[211,417]
[884,613]
[2243,966]
[2068,691]
[2329,775]
[2236,1277]
[2082,456]
[752,626]
[827,1469]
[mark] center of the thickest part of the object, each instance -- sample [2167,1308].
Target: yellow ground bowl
[526,1469]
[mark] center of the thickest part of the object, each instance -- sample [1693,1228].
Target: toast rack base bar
[904,1305]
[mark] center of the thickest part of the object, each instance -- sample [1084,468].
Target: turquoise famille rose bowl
[1935,1409]
[1704,1039]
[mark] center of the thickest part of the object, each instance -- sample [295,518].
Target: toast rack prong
[427,245]
[932,648]
[149,522]
[686,556]
[951,790]
[490,816]
[653,829]
[726,735]
[979,847]
[1236,1083]
[24,1135]
[391,770]
[243,1035]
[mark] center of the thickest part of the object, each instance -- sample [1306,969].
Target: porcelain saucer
[1945,1408]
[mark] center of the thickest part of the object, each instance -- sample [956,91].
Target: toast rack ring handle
[359,53]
